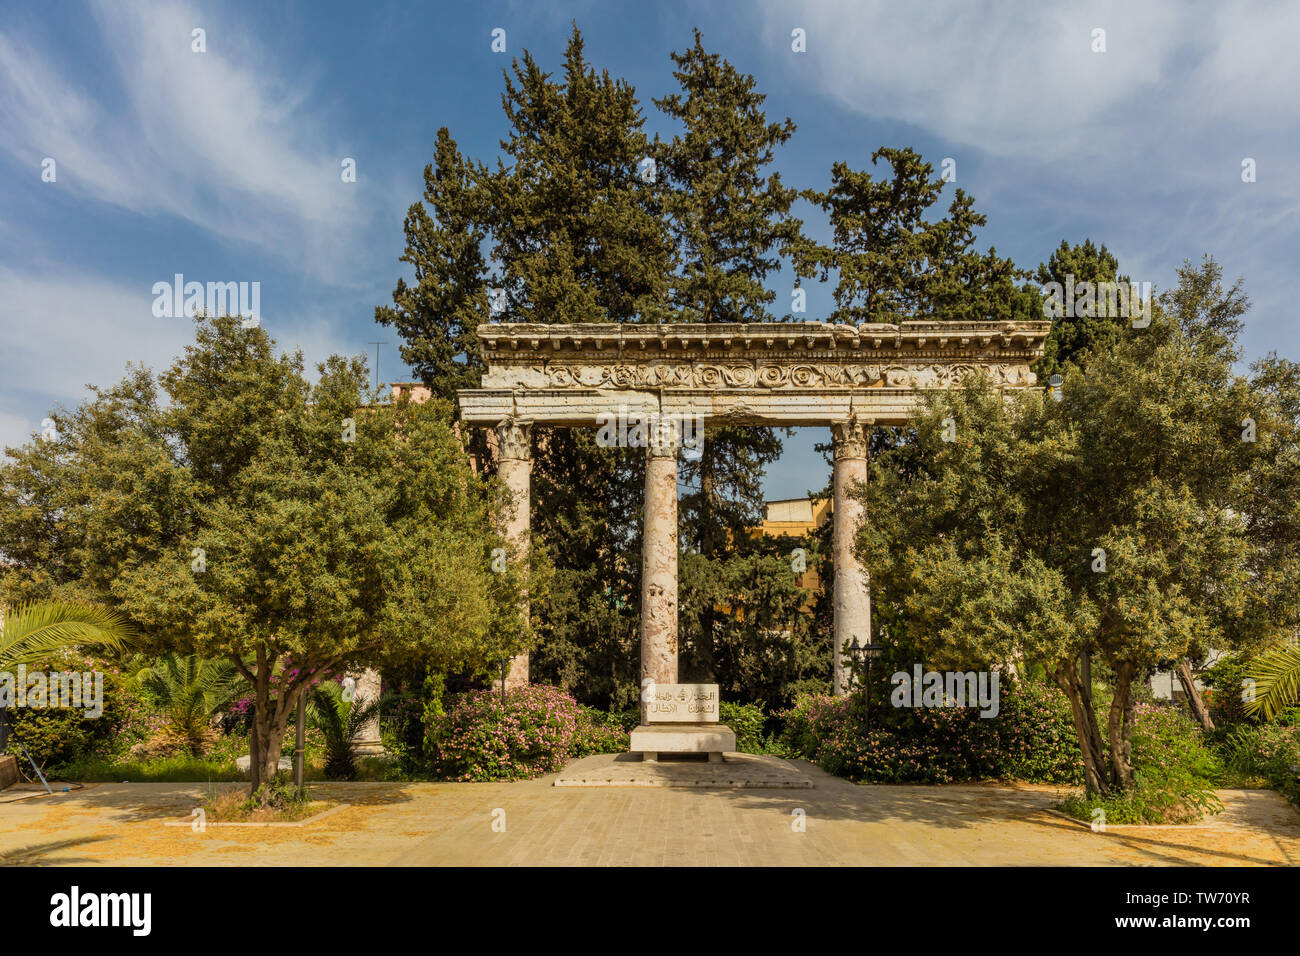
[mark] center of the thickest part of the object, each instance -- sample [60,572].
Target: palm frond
[35,630]
[1277,681]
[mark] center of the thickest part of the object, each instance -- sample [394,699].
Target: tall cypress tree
[437,316]
[579,236]
[568,232]
[1075,335]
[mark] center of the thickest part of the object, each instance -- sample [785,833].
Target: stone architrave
[515,468]
[852,593]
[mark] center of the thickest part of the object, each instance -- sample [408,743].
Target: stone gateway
[848,378]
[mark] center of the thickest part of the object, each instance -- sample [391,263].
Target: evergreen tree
[437,317]
[578,233]
[894,265]
[1079,330]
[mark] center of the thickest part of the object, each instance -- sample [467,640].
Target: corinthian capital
[515,439]
[664,437]
[850,438]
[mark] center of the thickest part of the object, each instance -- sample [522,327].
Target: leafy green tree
[259,518]
[1124,521]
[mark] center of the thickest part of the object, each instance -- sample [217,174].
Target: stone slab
[737,771]
[682,704]
[683,739]
[8,770]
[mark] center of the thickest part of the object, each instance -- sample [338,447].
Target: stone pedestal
[852,595]
[659,560]
[515,468]
[711,739]
[681,719]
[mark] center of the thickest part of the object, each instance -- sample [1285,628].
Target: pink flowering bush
[533,732]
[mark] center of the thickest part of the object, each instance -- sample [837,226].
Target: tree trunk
[271,717]
[1195,701]
[1119,726]
[1096,778]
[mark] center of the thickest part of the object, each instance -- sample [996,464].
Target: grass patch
[1158,806]
[177,769]
[233,805]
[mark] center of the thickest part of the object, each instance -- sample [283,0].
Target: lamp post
[869,651]
[300,742]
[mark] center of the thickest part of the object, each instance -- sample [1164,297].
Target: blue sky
[225,165]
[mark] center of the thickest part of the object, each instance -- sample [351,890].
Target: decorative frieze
[557,375]
[766,356]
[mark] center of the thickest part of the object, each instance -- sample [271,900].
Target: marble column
[659,558]
[852,597]
[515,468]
[367,689]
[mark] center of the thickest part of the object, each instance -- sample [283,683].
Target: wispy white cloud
[224,138]
[1020,77]
[63,332]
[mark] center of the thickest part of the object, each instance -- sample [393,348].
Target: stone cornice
[520,341]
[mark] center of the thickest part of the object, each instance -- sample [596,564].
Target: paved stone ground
[431,824]
[759,771]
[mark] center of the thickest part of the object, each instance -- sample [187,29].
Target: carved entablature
[794,355]
[771,372]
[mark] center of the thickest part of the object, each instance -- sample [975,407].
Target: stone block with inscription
[680,704]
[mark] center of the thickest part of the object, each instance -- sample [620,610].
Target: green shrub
[59,736]
[598,732]
[1175,773]
[1266,753]
[747,720]
[1031,738]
